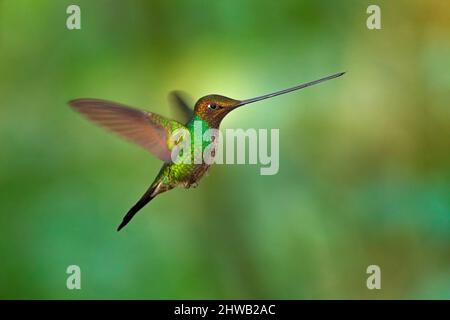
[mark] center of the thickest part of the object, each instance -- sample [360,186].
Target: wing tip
[80,102]
[73,103]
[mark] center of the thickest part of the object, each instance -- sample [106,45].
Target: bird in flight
[155,133]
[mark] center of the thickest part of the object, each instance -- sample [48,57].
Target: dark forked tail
[146,198]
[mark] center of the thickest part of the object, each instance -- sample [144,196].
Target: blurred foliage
[364,160]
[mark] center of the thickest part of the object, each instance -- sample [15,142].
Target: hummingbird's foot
[189,185]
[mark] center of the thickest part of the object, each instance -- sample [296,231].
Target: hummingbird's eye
[213,106]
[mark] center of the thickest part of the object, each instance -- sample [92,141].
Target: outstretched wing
[149,130]
[181,109]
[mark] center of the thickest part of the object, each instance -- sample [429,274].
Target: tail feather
[146,198]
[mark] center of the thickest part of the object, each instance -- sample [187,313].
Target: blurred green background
[364,159]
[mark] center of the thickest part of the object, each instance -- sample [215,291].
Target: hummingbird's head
[213,108]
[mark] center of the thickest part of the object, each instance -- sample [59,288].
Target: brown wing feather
[149,130]
[180,107]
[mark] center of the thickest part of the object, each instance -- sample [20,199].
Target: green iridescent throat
[194,124]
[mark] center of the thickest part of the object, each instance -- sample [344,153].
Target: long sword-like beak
[298,87]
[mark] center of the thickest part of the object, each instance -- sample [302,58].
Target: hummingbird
[153,133]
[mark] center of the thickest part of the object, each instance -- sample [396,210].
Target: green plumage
[186,174]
